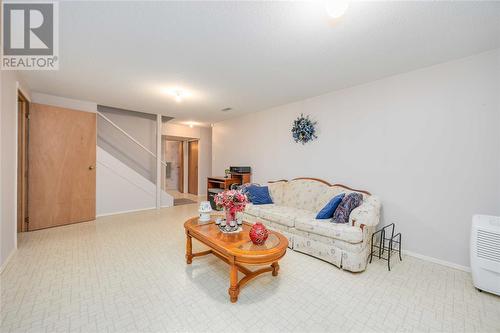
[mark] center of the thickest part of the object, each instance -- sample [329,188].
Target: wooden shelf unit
[243,178]
[225,183]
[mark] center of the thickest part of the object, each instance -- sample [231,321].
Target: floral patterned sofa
[293,211]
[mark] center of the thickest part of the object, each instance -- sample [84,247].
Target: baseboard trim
[130,211]
[4,265]
[125,211]
[437,261]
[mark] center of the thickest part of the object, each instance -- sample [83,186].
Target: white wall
[204,134]
[8,163]
[427,142]
[120,189]
[64,102]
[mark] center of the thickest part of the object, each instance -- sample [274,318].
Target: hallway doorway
[174,170]
[180,171]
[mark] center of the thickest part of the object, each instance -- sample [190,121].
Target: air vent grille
[488,245]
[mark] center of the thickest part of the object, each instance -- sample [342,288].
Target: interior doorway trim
[193,149]
[182,159]
[22,168]
[180,181]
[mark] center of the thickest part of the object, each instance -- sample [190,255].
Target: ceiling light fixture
[191,123]
[178,96]
[336,8]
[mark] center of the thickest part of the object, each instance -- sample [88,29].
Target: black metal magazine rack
[387,243]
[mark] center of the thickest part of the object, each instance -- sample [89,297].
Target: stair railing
[156,156]
[112,123]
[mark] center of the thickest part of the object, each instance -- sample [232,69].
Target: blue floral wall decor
[304,129]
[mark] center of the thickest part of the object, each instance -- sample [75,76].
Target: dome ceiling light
[336,8]
[178,94]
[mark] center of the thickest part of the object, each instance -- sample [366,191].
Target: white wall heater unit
[485,253]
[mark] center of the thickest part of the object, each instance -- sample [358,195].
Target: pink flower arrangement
[232,201]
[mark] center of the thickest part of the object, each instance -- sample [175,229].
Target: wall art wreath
[304,129]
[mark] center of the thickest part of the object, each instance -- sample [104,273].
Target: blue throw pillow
[259,195]
[329,209]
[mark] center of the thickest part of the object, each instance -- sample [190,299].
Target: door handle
[91,167]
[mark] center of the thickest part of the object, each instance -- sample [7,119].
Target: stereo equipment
[240,169]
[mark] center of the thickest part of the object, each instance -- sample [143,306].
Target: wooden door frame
[22,161]
[197,166]
[180,181]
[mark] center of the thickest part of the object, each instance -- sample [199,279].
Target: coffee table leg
[189,249]
[234,289]
[276,268]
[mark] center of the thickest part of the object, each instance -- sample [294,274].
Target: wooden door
[180,166]
[193,167]
[62,159]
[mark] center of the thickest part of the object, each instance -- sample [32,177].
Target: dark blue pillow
[329,209]
[259,195]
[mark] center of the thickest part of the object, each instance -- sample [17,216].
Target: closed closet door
[62,160]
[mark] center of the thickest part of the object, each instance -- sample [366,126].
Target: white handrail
[130,137]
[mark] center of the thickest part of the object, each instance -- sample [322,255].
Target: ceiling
[250,55]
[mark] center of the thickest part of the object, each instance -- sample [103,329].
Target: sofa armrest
[367,214]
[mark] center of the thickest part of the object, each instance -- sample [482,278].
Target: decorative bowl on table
[258,234]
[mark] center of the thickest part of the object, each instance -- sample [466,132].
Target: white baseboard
[130,211]
[4,265]
[437,261]
[125,211]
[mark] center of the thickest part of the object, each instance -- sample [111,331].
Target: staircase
[127,170]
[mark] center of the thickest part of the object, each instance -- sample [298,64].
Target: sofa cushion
[259,195]
[327,211]
[344,232]
[283,215]
[252,209]
[325,196]
[277,191]
[348,204]
[303,194]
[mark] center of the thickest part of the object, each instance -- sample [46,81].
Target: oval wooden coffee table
[237,250]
